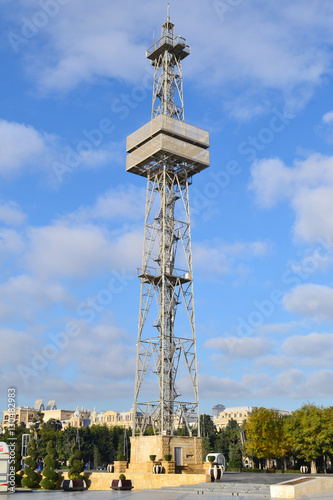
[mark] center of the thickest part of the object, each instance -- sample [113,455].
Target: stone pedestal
[120,467]
[169,467]
[206,466]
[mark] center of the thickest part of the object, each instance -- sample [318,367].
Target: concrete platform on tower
[163,137]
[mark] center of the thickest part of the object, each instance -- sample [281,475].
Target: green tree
[222,444]
[227,437]
[48,431]
[50,477]
[311,431]
[31,478]
[208,431]
[97,457]
[67,439]
[36,425]
[121,449]
[235,456]
[265,438]
[205,447]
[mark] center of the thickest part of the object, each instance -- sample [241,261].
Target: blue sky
[75,82]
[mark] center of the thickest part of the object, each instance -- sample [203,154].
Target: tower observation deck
[168,152]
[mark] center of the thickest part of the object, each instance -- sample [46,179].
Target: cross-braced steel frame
[167,240]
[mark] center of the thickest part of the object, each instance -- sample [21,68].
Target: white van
[218,458]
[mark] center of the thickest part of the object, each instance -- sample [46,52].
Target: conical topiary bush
[76,464]
[49,481]
[31,478]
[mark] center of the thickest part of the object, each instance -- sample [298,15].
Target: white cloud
[319,345]
[309,187]
[217,258]
[109,345]
[213,387]
[24,296]
[271,181]
[312,301]
[11,214]
[110,45]
[279,328]
[313,385]
[80,251]
[124,202]
[328,117]
[11,243]
[277,361]
[102,356]
[291,384]
[239,347]
[282,46]
[21,146]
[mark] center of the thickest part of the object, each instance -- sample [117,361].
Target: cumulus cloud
[312,345]
[46,360]
[80,251]
[20,295]
[279,328]
[212,387]
[239,347]
[221,258]
[123,203]
[279,47]
[11,214]
[292,384]
[308,185]
[11,243]
[271,181]
[106,343]
[328,117]
[21,146]
[311,301]
[24,148]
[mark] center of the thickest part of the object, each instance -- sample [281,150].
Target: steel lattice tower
[168,152]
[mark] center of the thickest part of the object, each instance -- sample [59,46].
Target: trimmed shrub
[50,477]
[30,478]
[76,464]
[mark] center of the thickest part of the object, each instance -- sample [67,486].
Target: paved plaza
[207,491]
[143,495]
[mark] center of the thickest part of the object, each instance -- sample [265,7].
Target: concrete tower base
[186,452]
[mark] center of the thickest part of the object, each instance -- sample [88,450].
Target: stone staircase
[227,489]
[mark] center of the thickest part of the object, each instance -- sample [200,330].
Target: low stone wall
[301,486]
[98,481]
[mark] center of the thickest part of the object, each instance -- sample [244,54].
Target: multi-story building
[78,418]
[121,419]
[23,414]
[28,415]
[238,413]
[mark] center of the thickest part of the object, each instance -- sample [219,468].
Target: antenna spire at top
[168,18]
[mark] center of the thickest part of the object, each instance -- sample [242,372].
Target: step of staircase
[225,489]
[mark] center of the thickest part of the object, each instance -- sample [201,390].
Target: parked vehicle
[218,458]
